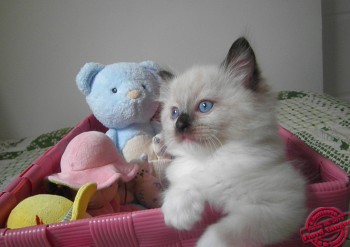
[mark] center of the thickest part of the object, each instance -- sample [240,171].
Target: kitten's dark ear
[166,75]
[241,61]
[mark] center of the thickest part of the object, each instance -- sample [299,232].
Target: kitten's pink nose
[134,94]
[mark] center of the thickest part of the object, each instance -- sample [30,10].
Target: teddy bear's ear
[150,65]
[86,76]
[156,69]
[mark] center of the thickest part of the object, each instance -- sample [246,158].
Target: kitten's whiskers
[207,137]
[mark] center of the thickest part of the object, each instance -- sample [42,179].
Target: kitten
[219,123]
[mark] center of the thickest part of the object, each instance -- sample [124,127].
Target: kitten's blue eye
[175,112]
[205,106]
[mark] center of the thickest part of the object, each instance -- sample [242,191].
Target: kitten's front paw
[181,212]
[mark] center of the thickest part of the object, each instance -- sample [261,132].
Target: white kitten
[219,124]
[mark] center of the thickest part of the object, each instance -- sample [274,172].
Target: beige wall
[336,47]
[44,43]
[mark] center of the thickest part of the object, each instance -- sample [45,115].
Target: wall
[44,43]
[336,48]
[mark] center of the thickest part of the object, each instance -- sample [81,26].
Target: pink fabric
[92,157]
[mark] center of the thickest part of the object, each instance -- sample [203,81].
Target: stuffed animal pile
[122,169]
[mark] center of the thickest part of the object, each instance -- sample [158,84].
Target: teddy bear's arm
[113,134]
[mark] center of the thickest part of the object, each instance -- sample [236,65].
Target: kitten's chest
[216,178]
[206,174]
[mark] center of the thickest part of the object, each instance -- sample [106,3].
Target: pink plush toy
[92,157]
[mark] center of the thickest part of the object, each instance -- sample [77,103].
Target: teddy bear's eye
[114,90]
[143,86]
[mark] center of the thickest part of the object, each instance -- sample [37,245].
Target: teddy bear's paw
[144,157]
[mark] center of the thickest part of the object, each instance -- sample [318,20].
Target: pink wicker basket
[329,186]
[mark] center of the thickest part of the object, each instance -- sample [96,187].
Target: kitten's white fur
[236,163]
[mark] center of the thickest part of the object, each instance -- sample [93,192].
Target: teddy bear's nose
[134,94]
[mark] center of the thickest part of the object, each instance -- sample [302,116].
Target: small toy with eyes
[123,97]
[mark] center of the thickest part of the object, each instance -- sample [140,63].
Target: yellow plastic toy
[47,209]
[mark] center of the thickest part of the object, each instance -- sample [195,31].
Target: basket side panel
[328,184]
[115,230]
[70,234]
[151,230]
[2,237]
[18,190]
[36,236]
[335,198]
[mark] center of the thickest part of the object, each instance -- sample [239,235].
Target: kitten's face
[208,106]
[203,109]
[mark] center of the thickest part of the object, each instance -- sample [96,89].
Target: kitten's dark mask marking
[241,60]
[183,123]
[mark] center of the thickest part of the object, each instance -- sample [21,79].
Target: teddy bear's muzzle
[134,94]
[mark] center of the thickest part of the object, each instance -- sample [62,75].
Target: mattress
[320,121]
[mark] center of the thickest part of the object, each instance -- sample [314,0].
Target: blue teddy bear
[123,97]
